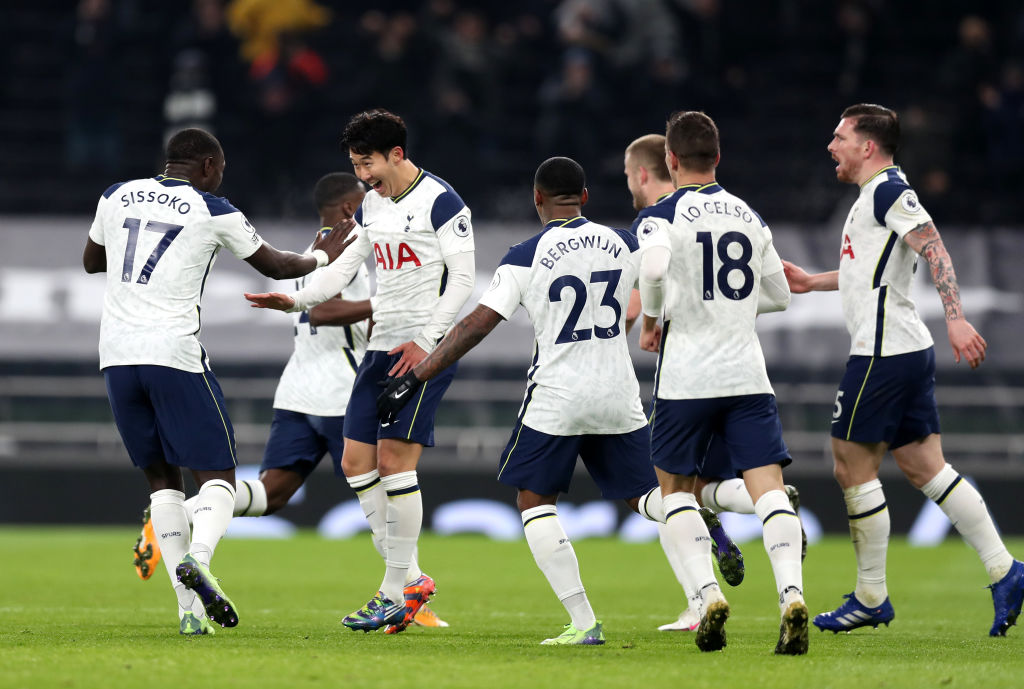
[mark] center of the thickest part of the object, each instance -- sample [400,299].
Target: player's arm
[326,284]
[280,265]
[654,261]
[965,340]
[94,258]
[632,309]
[453,227]
[773,290]
[800,281]
[338,311]
[466,334]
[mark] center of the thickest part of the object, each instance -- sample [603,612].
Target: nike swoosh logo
[367,224]
[396,394]
[835,420]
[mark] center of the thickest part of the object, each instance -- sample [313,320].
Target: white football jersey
[720,249]
[574,280]
[161,237]
[409,237]
[876,268]
[319,374]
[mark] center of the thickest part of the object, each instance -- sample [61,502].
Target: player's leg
[869,405]
[197,433]
[556,558]
[540,467]
[716,462]
[399,446]
[925,466]
[680,432]
[780,534]
[137,422]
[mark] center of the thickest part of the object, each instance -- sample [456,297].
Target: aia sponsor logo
[393,258]
[847,248]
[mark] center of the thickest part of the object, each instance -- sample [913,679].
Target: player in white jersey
[311,396]
[421,236]
[160,236]
[717,488]
[583,400]
[708,267]
[886,400]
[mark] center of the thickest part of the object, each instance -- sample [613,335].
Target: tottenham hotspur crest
[408,222]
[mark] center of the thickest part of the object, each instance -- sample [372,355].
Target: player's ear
[584,197]
[718,158]
[538,198]
[396,154]
[643,175]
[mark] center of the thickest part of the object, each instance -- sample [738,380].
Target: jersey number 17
[133,225]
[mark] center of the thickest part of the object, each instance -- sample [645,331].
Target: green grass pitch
[74,614]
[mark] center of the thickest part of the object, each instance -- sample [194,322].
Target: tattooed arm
[965,340]
[465,335]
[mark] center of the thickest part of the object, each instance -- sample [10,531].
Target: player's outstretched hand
[411,354]
[270,300]
[337,240]
[395,396]
[966,342]
[799,279]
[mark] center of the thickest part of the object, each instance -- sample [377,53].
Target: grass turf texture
[76,615]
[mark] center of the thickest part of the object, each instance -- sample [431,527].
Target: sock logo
[784,544]
[170,533]
[563,541]
[202,509]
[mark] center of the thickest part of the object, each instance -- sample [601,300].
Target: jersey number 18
[729,264]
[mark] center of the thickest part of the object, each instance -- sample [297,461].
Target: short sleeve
[505,293]
[234,231]
[653,231]
[453,223]
[898,208]
[96,230]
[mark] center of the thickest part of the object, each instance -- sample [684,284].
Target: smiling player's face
[378,171]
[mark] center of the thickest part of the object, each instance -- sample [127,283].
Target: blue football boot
[1007,596]
[853,614]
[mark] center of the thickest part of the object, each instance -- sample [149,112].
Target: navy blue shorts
[716,463]
[619,464]
[415,422]
[747,426]
[299,441]
[173,416]
[887,399]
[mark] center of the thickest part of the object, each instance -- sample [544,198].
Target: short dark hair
[878,123]
[192,145]
[373,131]
[693,137]
[333,188]
[560,177]
[649,151]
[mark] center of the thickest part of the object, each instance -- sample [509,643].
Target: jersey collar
[566,222]
[171,181]
[709,188]
[415,183]
[884,169]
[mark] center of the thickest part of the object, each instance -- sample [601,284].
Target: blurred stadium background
[89,91]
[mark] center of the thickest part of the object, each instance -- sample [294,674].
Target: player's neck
[870,170]
[405,174]
[685,178]
[656,192]
[182,172]
[560,212]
